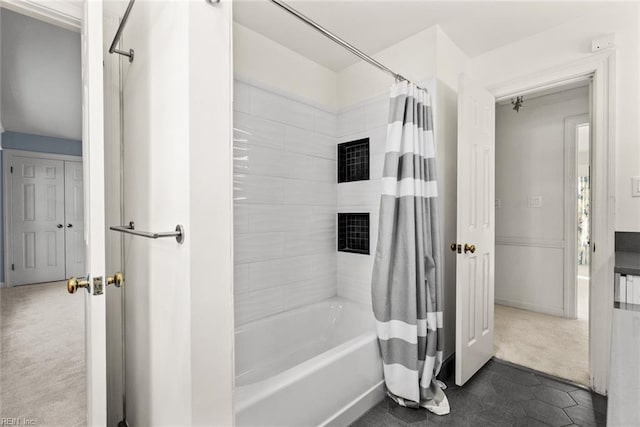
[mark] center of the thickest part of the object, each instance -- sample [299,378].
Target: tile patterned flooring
[500,395]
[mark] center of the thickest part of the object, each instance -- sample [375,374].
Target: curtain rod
[338,40]
[123,22]
[116,39]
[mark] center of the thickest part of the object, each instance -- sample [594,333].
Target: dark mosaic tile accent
[501,395]
[353,232]
[353,161]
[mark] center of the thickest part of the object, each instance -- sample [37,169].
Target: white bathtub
[316,365]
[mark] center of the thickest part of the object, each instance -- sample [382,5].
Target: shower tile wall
[366,120]
[284,203]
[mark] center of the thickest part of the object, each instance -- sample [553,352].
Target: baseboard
[356,408]
[448,367]
[3,285]
[531,307]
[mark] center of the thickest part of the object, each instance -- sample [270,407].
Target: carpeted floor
[42,363]
[554,345]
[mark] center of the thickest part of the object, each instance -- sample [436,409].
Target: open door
[475,229]
[94,212]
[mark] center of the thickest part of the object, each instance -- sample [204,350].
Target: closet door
[74,219]
[37,216]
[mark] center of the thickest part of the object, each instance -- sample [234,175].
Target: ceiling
[475,26]
[41,78]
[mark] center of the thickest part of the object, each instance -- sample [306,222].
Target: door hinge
[13,267]
[11,169]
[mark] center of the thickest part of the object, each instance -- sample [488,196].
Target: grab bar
[131,229]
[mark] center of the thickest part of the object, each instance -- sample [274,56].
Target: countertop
[627,263]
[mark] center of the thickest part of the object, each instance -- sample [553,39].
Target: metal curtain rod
[338,40]
[123,22]
[116,39]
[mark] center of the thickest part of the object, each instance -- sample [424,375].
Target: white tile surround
[286,199]
[284,203]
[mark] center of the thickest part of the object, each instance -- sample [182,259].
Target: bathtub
[315,365]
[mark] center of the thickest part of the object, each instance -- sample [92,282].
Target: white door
[475,229]
[37,217]
[94,211]
[74,219]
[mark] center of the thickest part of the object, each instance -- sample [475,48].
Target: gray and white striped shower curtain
[407,275]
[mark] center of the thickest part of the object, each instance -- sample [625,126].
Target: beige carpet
[42,364]
[554,345]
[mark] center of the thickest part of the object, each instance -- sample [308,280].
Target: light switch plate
[635,186]
[534,202]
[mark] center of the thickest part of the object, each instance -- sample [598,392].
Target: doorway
[44,217]
[543,231]
[583,241]
[43,378]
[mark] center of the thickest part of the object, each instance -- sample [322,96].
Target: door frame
[571,124]
[77,16]
[602,67]
[62,14]
[7,180]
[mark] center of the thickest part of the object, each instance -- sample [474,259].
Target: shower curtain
[407,277]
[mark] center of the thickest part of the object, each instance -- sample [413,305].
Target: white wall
[422,56]
[414,58]
[177,100]
[41,81]
[570,42]
[530,162]
[284,203]
[269,64]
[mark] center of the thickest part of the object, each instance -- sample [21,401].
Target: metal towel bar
[131,229]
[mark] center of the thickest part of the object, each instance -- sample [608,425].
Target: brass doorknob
[469,248]
[73,284]
[117,279]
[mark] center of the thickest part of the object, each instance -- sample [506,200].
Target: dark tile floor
[500,395]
